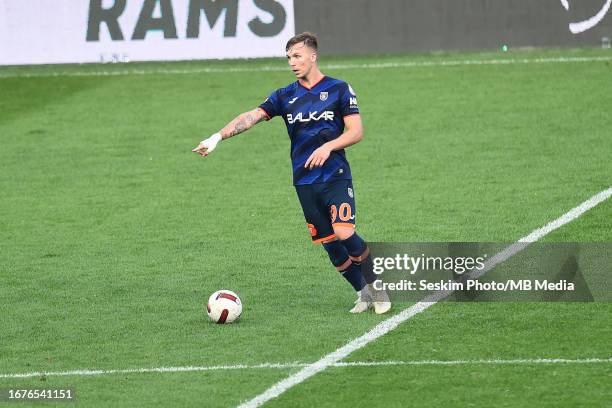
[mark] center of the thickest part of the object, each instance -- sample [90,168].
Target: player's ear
[313,57]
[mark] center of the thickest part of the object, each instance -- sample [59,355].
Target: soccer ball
[224,306]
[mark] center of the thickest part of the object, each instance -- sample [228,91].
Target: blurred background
[80,31]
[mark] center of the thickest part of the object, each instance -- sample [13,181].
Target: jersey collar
[312,87]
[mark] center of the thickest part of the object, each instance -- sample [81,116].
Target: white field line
[474,362]
[149,370]
[524,361]
[391,323]
[282,68]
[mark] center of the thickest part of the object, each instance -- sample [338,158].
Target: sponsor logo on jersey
[350,88]
[350,192]
[323,96]
[353,103]
[316,116]
[293,100]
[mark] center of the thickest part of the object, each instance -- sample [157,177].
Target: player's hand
[208,145]
[318,157]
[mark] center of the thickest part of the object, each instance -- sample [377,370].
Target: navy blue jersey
[313,117]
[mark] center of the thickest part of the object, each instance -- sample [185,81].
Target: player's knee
[343,232]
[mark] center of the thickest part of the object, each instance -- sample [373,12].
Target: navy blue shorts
[325,205]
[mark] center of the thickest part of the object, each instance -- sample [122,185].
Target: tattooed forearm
[242,123]
[240,127]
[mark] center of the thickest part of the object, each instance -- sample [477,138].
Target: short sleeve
[271,106]
[348,101]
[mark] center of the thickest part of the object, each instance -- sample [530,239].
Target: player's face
[301,59]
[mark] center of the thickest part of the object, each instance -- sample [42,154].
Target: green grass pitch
[113,234]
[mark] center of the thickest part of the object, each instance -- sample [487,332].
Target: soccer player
[322,118]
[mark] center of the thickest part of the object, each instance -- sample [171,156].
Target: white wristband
[216,138]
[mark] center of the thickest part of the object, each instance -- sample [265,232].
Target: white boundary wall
[79,31]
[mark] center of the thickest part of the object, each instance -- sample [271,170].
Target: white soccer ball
[224,306]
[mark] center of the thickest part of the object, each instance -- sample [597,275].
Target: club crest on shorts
[323,96]
[350,192]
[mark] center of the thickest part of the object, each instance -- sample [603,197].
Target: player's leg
[342,208]
[357,248]
[321,231]
[341,201]
[351,272]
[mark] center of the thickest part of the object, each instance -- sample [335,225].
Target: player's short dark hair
[309,40]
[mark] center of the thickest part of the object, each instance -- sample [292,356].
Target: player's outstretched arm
[353,133]
[241,123]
